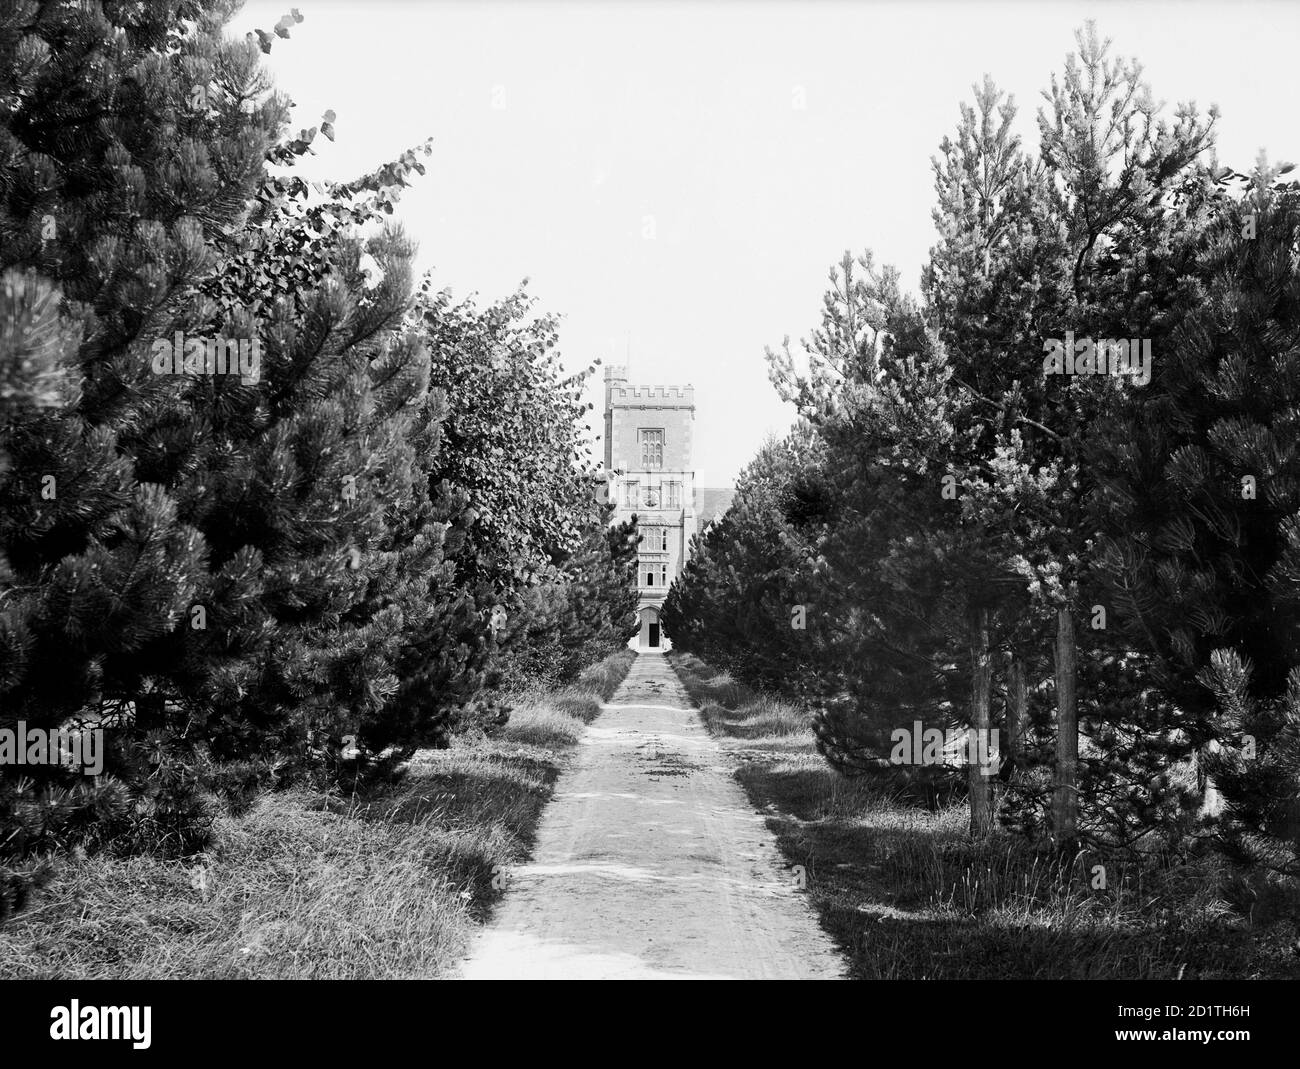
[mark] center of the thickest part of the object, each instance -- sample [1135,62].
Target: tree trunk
[1017,716]
[1065,797]
[981,685]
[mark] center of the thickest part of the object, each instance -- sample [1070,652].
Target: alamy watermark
[74,748]
[209,356]
[75,1021]
[919,745]
[1116,357]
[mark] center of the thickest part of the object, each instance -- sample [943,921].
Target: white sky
[615,112]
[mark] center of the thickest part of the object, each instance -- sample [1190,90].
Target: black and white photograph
[541,490]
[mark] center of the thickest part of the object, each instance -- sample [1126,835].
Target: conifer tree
[914,568]
[124,146]
[1200,506]
[1084,242]
[748,599]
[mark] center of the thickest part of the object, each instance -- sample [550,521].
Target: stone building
[650,473]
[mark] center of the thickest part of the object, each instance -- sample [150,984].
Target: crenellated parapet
[652,396]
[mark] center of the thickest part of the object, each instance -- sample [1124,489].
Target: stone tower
[651,475]
[650,472]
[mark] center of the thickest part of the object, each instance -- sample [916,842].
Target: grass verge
[909,895]
[310,886]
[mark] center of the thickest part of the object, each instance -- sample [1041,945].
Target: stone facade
[650,473]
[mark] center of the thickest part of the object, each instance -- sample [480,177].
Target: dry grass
[317,887]
[541,725]
[909,896]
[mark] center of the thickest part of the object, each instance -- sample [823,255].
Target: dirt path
[650,863]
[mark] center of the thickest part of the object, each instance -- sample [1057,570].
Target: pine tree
[112,120]
[123,147]
[230,561]
[917,571]
[1080,243]
[747,599]
[1200,507]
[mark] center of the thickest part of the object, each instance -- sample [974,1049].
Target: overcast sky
[648,168]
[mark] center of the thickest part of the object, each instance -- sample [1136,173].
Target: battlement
[647,395]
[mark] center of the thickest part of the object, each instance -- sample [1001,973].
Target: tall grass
[908,894]
[320,887]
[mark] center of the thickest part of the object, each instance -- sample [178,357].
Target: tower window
[674,496]
[655,539]
[656,575]
[652,447]
[633,493]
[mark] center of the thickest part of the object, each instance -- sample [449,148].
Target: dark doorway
[654,635]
